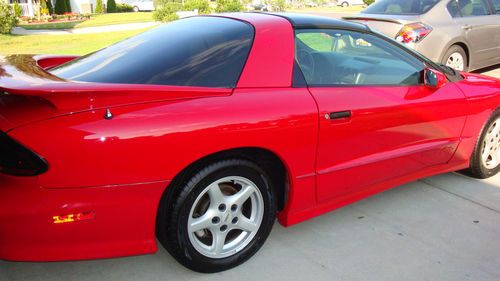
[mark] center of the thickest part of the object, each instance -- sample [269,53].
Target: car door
[481,28]
[377,121]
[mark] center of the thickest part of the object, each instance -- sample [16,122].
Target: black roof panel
[302,21]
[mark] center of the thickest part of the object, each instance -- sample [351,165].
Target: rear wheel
[220,218]
[456,58]
[485,159]
[345,4]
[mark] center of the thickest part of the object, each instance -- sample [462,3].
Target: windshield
[400,7]
[199,51]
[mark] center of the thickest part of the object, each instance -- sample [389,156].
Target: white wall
[76,8]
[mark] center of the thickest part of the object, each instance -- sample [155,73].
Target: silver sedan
[463,34]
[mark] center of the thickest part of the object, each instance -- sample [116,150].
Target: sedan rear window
[200,51]
[400,7]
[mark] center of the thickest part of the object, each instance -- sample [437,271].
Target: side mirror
[434,78]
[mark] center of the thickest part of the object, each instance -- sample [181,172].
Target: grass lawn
[71,44]
[95,20]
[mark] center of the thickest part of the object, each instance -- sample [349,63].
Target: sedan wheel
[456,61]
[456,58]
[219,217]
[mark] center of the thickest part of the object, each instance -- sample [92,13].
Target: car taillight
[17,160]
[412,33]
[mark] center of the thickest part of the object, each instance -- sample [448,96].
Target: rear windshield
[199,51]
[400,7]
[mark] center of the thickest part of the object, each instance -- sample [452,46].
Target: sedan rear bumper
[122,223]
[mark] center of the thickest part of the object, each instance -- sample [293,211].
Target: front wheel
[345,4]
[136,9]
[485,159]
[220,218]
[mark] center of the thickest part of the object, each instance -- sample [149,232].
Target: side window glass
[340,57]
[453,8]
[471,8]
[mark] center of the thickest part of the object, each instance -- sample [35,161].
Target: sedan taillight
[412,33]
[17,160]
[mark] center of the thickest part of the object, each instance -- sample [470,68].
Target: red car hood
[29,93]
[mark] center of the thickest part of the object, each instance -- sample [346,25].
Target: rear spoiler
[361,18]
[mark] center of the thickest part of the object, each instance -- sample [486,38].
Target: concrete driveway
[445,227]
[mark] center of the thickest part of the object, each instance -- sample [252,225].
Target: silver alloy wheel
[225,217]
[456,61]
[490,156]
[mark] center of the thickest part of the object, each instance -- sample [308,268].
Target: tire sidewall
[456,49]
[195,260]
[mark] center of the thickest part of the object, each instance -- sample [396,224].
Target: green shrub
[60,8]
[44,10]
[166,13]
[68,6]
[98,7]
[228,6]
[368,2]
[18,11]
[7,18]
[111,6]
[50,7]
[124,8]
[278,5]
[173,5]
[203,6]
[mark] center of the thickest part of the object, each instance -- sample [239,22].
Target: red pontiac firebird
[202,131]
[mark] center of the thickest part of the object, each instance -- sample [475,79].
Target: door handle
[338,115]
[467,27]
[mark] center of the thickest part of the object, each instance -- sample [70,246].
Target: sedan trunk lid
[389,25]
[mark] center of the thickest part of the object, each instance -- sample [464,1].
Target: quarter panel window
[198,51]
[340,57]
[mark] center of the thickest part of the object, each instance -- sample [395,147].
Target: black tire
[477,168]
[345,4]
[456,49]
[174,212]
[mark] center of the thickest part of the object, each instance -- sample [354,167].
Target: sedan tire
[219,218]
[456,58]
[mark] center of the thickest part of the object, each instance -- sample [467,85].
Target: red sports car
[202,131]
